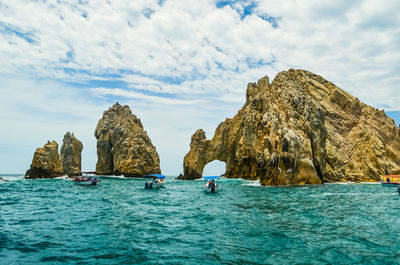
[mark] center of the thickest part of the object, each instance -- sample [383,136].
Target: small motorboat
[390,180]
[86,180]
[156,182]
[210,184]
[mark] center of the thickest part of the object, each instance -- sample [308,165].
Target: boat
[85,180]
[157,181]
[210,184]
[390,180]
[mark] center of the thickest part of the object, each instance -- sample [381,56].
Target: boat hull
[209,189]
[153,185]
[390,184]
[86,182]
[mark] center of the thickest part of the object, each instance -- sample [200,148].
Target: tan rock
[300,129]
[71,155]
[123,146]
[45,163]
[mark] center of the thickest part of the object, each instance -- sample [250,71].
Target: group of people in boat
[212,184]
[92,179]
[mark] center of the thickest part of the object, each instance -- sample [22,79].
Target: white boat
[156,182]
[210,184]
[86,180]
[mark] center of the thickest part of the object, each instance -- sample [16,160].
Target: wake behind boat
[210,184]
[86,180]
[156,182]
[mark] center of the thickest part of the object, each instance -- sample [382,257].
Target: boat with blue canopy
[157,181]
[210,184]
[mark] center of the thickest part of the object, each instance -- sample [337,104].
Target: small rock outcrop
[300,129]
[45,163]
[71,155]
[123,146]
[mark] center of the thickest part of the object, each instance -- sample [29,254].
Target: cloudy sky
[179,64]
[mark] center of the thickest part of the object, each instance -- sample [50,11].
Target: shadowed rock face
[45,163]
[300,129]
[71,155]
[123,147]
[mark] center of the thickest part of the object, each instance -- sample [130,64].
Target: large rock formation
[45,163]
[300,129]
[71,155]
[123,147]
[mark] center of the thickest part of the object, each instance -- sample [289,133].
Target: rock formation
[71,155]
[45,163]
[123,146]
[300,129]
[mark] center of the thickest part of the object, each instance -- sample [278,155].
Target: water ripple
[118,221]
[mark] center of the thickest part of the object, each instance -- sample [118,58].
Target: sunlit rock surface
[71,158]
[123,146]
[45,163]
[300,129]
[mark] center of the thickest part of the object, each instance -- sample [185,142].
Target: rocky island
[300,129]
[71,155]
[123,146]
[46,162]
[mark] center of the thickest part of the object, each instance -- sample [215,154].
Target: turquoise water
[118,221]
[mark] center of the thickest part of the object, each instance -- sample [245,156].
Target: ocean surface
[120,222]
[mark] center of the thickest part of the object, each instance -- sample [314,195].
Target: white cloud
[183,56]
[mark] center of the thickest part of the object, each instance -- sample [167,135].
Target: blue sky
[179,65]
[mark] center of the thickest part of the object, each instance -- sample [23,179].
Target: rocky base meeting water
[118,221]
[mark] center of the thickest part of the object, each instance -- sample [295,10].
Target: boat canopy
[210,177]
[159,176]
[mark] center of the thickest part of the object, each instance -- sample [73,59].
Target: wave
[352,183]
[62,177]
[252,183]
[12,178]
[113,177]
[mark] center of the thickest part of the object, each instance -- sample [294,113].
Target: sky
[180,65]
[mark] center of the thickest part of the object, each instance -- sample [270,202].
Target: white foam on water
[352,182]
[253,183]
[62,177]
[12,178]
[112,176]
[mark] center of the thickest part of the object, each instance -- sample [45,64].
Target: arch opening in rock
[214,168]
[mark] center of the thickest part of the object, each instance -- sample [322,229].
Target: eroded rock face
[71,155]
[123,146]
[45,163]
[300,129]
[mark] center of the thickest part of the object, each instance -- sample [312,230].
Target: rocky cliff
[123,146]
[71,155]
[300,129]
[45,163]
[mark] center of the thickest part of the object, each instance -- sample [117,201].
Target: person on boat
[82,178]
[388,180]
[210,184]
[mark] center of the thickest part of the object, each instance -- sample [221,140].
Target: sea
[119,222]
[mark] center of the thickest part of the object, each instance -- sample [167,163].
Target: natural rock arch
[300,129]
